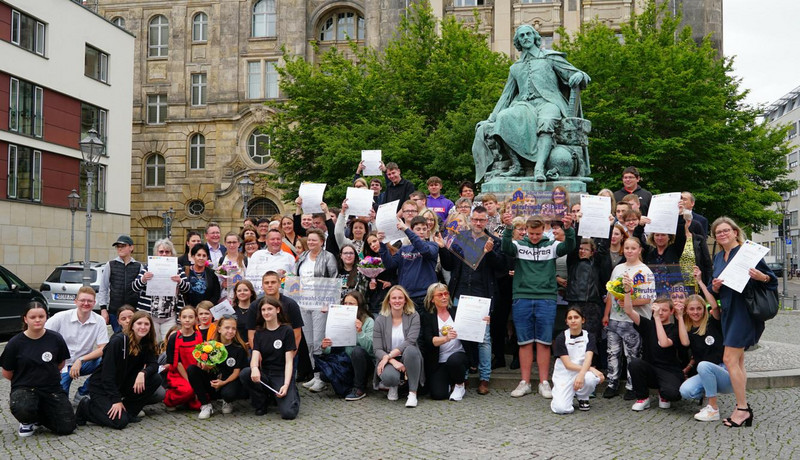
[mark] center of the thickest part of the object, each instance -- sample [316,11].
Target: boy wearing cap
[116,283]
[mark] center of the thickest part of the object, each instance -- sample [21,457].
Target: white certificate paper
[595,211]
[663,213]
[386,221]
[359,201]
[222,308]
[162,268]
[372,162]
[469,323]
[736,273]
[311,194]
[341,325]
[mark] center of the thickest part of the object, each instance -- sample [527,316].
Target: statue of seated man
[526,115]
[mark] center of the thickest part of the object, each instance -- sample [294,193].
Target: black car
[14,295]
[776,268]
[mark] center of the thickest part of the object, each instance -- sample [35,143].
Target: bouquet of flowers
[210,353]
[227,269]
[615,288]
[371,267]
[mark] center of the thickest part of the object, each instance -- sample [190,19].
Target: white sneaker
[524,388]
[641,404]
[227,407]
[319,386]
[458,393]
[26,430]
[545,391]
[707,414]
[412,400]
[205,411]
[663,403]
[311,382]
[141,414]
[392,395]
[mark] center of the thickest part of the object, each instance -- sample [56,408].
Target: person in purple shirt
[437,202]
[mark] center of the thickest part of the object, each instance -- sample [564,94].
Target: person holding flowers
[271,368]
[179,357]
[622,336]
[219,362]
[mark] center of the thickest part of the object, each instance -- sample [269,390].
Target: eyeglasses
[409,210]
[164,251]
[723,231]
[351,254]
[479,220]
[443,295]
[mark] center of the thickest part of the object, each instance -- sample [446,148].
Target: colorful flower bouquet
[371,267]
[210,353]
[615,288]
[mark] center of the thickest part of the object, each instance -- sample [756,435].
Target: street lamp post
[91,149]
[74,202]
[246,190]
[786,247]
[168,216]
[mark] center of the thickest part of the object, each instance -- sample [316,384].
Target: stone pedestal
[504,188]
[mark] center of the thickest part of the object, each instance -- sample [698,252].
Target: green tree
[418,101]
[669,106]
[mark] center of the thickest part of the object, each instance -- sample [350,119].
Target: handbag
[762,303]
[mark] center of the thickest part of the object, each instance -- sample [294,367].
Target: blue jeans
[710,380]
[534,320]
[86,369]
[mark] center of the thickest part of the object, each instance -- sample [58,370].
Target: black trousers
[200,381]
[96,411]
[363,366]
[498,328]
[288,406]
[450,372]
[50,409]
[645,376]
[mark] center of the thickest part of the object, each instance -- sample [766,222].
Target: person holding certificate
[739,329]
[445,359]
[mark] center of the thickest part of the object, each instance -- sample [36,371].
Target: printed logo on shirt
[278,344]
[230,362]
[47,356]
[537,254]
[710,340]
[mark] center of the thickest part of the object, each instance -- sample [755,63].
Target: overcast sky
[764,38]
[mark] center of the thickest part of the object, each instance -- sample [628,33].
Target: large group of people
[686,342]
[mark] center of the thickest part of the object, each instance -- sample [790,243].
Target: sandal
[746,422]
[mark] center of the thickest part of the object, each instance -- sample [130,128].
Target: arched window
[200,27]
[341,26]
[119,21]
[158,41]
[197,152]
[262,207]
[258,147]
[264,18]
[154,171]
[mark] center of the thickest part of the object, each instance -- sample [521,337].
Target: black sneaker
[610,392]
[261,411]
[629,395]
[81,411]
[583,404]
[355,394]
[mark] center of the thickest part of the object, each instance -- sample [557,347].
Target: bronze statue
[537,118]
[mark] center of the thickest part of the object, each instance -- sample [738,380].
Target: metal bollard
[794,302]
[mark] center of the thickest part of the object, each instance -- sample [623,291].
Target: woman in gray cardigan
[318,263]
[394,339]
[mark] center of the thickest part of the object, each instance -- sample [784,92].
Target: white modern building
[64,69]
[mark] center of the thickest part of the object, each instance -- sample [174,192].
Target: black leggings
[645,376]
[99,404]
[200,381]
[450,372]
[50,409]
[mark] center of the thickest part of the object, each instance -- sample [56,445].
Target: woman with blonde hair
[446,361]
[394,340]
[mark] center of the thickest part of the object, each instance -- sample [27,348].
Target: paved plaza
[493,426]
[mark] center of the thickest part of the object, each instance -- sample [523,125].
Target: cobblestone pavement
[493,426]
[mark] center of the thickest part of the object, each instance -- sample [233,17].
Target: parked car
[14,295]
[776,268]
[61,287]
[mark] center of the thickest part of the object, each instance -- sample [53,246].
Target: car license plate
[63,296]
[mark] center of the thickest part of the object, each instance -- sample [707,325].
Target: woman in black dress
[739,329]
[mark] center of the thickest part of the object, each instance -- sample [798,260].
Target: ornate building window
[200,27]
[155,170]
[262,207]
[158,38]
[341,26]
[195,208]
[197,152]
[258,147]
[264,18]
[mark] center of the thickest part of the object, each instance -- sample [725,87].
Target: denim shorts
[534,320]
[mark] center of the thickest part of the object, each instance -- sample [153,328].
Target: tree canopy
[671,107]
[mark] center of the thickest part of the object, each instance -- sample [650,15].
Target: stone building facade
[205,78]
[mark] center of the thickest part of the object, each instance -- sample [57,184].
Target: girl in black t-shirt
[271,364]
[243,295]
[32,361]
[222,380]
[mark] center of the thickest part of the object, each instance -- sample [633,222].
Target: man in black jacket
[397,188]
